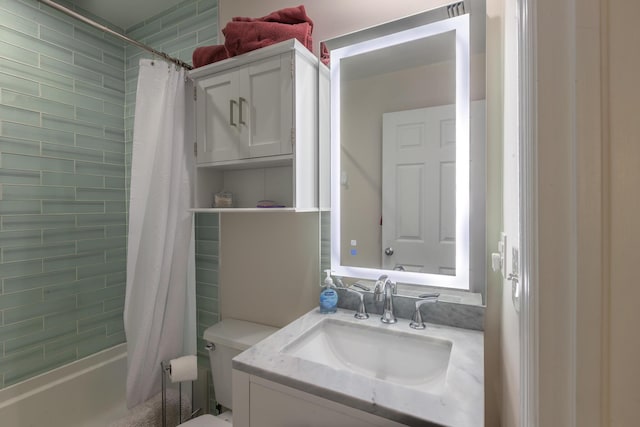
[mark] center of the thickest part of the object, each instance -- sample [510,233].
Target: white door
[218,119]
[418,190]
[265,101]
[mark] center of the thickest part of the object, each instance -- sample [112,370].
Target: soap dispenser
[328,296]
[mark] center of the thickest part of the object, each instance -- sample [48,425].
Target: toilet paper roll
[183,368]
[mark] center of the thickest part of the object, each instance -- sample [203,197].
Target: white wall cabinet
[262,403]
[256,128]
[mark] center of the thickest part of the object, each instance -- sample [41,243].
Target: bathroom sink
[382,352]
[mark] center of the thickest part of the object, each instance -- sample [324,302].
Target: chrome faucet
[361,313]
[384,291]
[416,320]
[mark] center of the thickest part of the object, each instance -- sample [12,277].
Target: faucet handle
[416,320]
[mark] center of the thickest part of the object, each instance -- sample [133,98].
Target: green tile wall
[67,101]
[62,166]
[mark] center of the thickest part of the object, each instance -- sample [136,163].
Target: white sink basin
[385,353]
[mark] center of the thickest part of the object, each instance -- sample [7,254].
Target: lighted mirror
[407,143]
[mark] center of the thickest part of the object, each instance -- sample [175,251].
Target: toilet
[225,340]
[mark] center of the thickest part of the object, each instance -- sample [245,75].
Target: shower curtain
[160,284]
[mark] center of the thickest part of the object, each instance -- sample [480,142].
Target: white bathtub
[89,393]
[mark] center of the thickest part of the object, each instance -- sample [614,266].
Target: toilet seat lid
[206,420]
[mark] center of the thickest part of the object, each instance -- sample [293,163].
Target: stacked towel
[246,34]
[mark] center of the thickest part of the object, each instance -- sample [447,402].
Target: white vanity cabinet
[258,402]
[256,128]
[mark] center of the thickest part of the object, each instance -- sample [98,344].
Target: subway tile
[37,104]
[34,45]
[113,109]
[99,169]
[70,261]
[116,255]
[71,98]
[25,367]
[72,341]
[116,230]
[34,14]
[100,269]
[18,23]
[207,220]
[206,262]
[114,303]
[18,54]
[89,220]
[99,118]
[113,60]
[20,329]
[182,12]
[111,182]
[117,278]
[37,192]
[73,153]
[99,194]
[115,324]
[206,290]
[98,343]
[18,299]
[13,315]
[100,144]
[98,67]
[31,72]
[114,134]
[15,207]
[115,206]
[98,320]
[23,283]
[143,30]
[19,146]
[73,288]
[55,66]
[33,133]
[71,179]
[187,41]
[116,84]
[33,163]
[101,244]
[71,125]
[18,84]
[208,5]
[97,39]
[206,276]
[9,239]
[35,252]
[53,320]
[111,157]
[70,43]
[207,233]
[19,115]
[38,339]
[64,206]
[99,92]
[13,176]
[72,234]
[207,318]
[90,298]
[30,222]
[198,21]
[207,248]
[161,37]
[208,35]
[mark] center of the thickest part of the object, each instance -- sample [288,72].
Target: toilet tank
[230,338]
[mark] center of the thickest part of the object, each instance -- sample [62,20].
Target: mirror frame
[460,25]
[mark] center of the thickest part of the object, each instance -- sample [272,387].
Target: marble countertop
[460,404]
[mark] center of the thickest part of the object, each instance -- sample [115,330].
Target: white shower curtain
[158,291]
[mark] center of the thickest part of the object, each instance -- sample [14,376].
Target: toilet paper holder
[165,367]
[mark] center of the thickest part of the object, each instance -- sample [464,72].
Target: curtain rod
[115,33]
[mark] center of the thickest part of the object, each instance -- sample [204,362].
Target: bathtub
[89,393]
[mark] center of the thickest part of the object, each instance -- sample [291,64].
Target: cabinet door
[218,119]
[266,101]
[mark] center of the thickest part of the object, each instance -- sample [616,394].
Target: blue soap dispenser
[328,296]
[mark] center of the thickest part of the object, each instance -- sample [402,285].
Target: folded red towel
[325,56]
[289,15]
[208,54]
[241,37]
[246,34]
